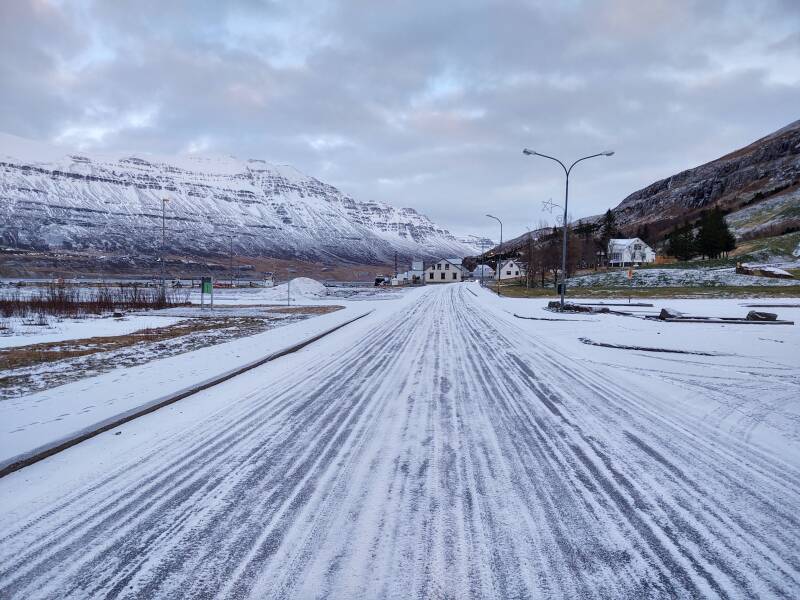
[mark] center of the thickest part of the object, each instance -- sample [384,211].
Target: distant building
[510,269]
[447,270]
[413,276]
[632,251]
[485,270]
[417,272]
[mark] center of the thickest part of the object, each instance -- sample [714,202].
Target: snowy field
[443,448]
[301,291]
[22,332]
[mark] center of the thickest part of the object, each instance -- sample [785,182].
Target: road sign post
[206,287]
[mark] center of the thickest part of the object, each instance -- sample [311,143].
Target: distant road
[443,453]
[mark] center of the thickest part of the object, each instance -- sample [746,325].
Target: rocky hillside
[50,199]
[757,185]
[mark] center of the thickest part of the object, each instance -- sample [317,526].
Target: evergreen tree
[680,242]
[727,238]
[608,227]
[714,236]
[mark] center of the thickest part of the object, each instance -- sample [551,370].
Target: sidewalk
[45,420]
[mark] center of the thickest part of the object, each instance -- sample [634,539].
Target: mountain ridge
[54,198]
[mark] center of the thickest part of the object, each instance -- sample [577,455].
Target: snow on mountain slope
[51,198]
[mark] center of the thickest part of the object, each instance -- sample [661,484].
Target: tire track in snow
[445,454]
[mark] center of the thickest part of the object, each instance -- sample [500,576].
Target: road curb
[24,460]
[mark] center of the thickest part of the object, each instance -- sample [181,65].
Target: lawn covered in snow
[700,277]
[26,331]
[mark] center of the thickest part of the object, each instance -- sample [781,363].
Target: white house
[447,270]
[485,270]
[510,269]
[631,251]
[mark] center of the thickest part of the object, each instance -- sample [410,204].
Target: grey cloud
[419,104]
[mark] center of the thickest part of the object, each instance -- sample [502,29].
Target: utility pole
[567,170]
[230,260]
[164,201]
[395,265]
[497,270]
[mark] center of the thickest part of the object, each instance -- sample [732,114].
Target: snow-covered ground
[701,277]
[442,447]
[23,332]
[302,290]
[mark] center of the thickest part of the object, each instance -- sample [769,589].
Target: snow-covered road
[439,450]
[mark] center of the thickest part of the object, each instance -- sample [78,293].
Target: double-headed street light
[567,171]
[497,285]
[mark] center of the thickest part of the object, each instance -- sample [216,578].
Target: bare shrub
[66,301]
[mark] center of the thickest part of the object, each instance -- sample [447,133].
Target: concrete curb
[20,461]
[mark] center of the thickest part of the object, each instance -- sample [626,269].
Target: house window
[455,275]
[442,275]
[431,275]
[516,273]
[508,272]
[447,267]
[438,266]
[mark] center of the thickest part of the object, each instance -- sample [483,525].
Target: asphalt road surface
[442,454]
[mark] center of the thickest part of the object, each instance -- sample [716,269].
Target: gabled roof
[484,268]
[625,242]
[456,262]
[509,260]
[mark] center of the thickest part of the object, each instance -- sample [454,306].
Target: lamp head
[608,153]
[528,152]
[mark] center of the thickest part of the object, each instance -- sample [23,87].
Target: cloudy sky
[424,104]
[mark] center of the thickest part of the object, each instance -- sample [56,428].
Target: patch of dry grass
[34,354]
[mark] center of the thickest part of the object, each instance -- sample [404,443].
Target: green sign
[205,285]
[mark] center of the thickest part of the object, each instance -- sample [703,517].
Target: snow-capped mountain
[50,198]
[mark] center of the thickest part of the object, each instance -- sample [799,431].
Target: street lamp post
[567,171]
[497,285]
[164,201]
[483,259]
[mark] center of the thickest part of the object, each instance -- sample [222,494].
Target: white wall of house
[443,271]
[630,251]
[510,269]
